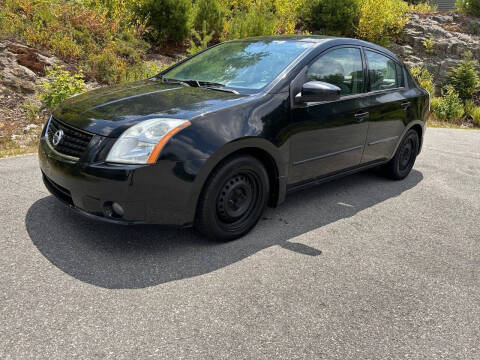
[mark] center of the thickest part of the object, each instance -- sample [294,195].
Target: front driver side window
[342,67]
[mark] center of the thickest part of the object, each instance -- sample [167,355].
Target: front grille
[73,143]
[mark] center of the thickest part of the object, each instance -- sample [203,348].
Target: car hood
[110,111]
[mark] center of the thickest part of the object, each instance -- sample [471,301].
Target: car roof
[324,42]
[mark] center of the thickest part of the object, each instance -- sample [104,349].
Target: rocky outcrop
[452,34]
[21,67]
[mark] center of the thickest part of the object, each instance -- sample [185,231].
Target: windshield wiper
[175,81]
[217,86]
[222,89]
[201,84]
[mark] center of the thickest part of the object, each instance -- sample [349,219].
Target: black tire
[402,163]
[233,199]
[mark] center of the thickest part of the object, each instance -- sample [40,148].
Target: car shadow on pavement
[118,257]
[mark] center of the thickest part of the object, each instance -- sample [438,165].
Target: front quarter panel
[259,124]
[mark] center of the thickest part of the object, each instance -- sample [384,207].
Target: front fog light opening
[113,210]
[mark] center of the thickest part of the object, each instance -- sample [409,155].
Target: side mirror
[318,91]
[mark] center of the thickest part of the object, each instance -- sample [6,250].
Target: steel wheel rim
[238,199]
[407,154]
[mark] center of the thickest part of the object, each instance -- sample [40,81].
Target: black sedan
[213,140]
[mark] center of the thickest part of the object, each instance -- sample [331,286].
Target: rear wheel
[402,163]
[233,199]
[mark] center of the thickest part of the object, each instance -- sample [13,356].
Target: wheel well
[419,131]
[270,165]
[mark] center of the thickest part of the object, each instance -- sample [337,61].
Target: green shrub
[429,44]
[476,116]
[464,77]
[435,106]
[336,17]
[141,70]
[169,19]
[108,68]
[380,20]
[258,20]
[469,6]
[469,107]
[201,40]
[266,17]
[449,108]
[422,6]
[60,85]
[211,12]
[31,111]
[424,78]
[112,8]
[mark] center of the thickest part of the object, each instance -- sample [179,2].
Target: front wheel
[402,163]
[233,199]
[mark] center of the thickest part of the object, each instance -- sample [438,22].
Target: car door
[328,137]
[388,105]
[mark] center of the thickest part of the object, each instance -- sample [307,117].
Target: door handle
[361,116]
[405,105]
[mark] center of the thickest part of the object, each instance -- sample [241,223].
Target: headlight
[142,143]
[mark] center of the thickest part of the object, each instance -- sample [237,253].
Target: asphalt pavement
[360,268]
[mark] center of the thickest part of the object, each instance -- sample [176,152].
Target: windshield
[246,66]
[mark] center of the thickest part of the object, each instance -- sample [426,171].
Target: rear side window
[383,72]
[342,67]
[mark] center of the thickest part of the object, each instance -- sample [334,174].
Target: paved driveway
[361,268]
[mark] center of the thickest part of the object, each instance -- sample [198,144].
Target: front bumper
[163,193]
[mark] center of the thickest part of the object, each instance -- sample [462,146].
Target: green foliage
[472,111]
[169,20]
[60,85]
[112,8]
[210,12]
[380,20]
[429,44]
[471,7]
[287,13]
[111,69]
[336,17]
[79,31]
[464,77]
[247,18]
[449,108]
[424,78]
[202,39]
[469,107]
[422,7]
[31,111]
[258,20]
[476,116]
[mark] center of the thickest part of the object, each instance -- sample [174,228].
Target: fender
[279,157]
[407,128]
